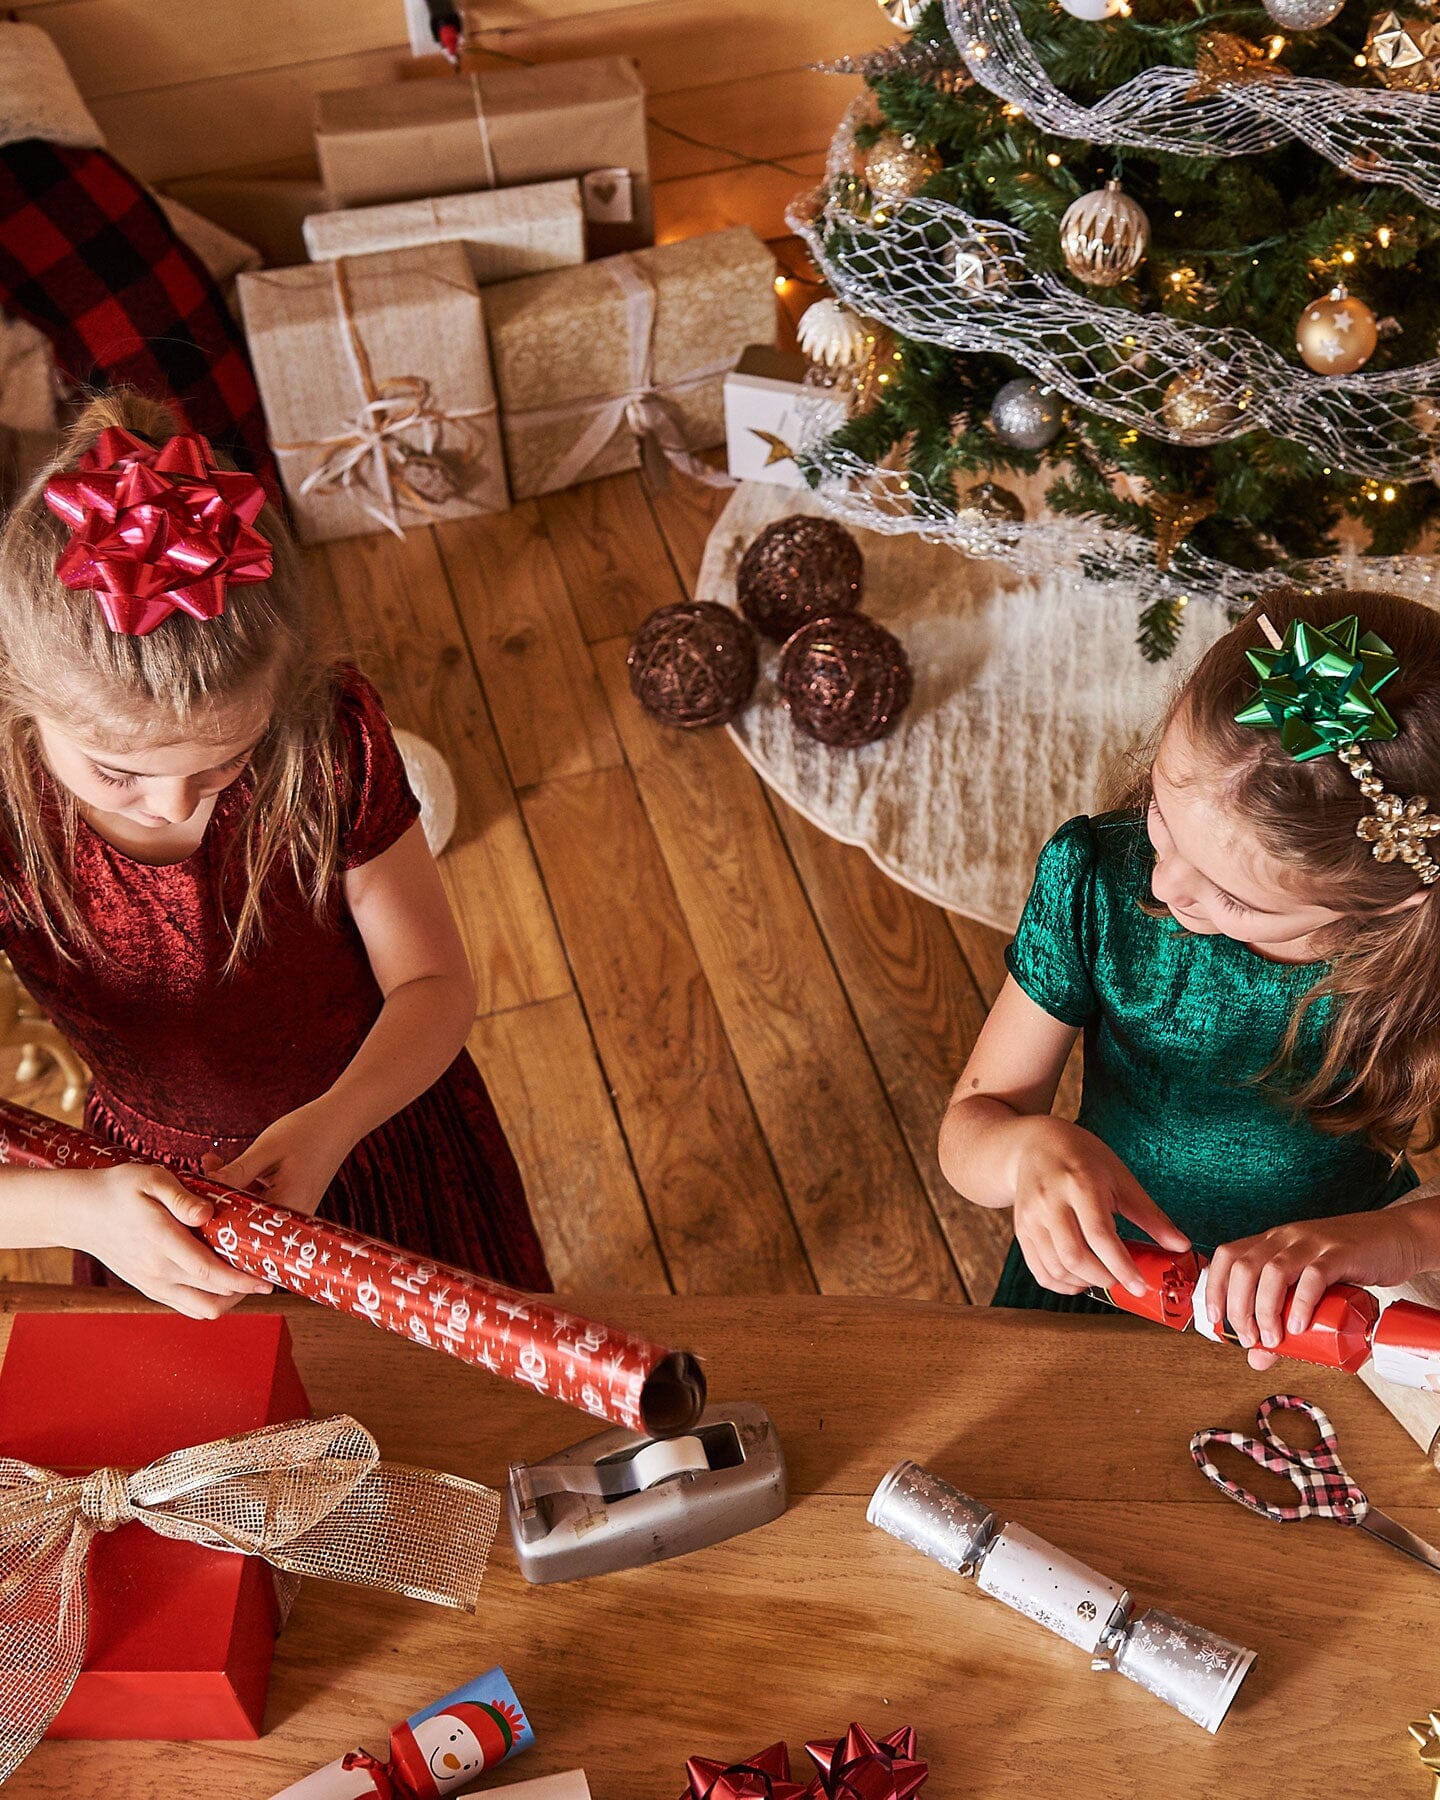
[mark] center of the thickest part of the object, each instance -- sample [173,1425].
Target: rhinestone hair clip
[1319,689]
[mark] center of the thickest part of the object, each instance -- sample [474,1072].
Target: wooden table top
[1077,1428]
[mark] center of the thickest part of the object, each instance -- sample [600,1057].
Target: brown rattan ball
[798,569]
[693,664]
[845,680]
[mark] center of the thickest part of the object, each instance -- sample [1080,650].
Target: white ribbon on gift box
[645,409]
[491,178]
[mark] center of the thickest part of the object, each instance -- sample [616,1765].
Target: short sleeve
[380,806]
[1052,953]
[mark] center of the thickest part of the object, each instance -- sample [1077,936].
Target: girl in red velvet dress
[213,880]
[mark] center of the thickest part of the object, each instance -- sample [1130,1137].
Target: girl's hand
[1250,1278]
[135,1219]
[1068,1188]
[291,1163]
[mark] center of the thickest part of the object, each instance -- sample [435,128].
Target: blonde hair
[60,659]
[1380,1071]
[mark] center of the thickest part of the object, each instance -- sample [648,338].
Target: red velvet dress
[187,1059]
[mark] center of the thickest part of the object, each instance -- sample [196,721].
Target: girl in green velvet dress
[1251,946]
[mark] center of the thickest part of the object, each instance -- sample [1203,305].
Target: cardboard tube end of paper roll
[673,1396]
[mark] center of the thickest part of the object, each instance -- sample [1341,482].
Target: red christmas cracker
[601,1370]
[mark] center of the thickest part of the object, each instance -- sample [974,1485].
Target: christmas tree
[1181,256]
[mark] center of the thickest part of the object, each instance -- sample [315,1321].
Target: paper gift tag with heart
[607,197]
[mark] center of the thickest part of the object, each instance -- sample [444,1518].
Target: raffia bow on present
[392,449]
[647,411]
[311,1498]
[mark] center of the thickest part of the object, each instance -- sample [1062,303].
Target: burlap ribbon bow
[311,1498]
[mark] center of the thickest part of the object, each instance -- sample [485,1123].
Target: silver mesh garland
[1386,136]
[893,500]
[1109,360]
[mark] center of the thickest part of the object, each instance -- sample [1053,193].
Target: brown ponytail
[59,659]
[1381,1070]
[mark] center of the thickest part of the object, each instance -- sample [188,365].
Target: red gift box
[181,1637]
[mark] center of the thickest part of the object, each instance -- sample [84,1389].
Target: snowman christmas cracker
[434,1752]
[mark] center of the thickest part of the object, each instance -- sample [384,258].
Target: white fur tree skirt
[1026,692]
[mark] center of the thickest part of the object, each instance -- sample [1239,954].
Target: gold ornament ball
[994,504]
[896,167]
[1195,407]
[1336,335]
[1104,236]
[1404,52]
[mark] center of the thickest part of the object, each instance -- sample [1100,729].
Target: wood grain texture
[861,1208]
[919,1010]
[549,1090]
[686,512]
[720,1216]
[514,608]
[396,600]
[614,561]
[1075,1428]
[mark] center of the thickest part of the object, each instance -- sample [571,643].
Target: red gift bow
[763,1776]
[156,530]
[856,1767]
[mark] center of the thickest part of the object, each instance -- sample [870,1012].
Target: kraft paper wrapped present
[408,140]
[623,361]
[507,232]
[376,382]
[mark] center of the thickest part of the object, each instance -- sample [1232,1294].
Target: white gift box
[506,232]
[767,407]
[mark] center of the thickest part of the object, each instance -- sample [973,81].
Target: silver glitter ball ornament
[1026,415]
[1303,15]
[1104,236]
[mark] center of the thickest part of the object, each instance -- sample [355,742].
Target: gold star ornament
[779,450]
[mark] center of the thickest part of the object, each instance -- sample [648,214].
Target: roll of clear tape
[666,1458]
[1191,1669]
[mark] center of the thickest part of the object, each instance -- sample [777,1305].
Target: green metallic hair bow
[1319,688]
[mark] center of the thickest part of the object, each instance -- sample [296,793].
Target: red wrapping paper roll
[608,1373]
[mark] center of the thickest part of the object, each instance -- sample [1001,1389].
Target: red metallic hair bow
[157,529]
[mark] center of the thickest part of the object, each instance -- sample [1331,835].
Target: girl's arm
[134,1219]
[400,908]
[1251,1278]
[1001,1146]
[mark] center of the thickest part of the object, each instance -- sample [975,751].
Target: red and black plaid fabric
[89,259]
[1326,1490]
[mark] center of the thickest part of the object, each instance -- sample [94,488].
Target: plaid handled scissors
[1326,1488]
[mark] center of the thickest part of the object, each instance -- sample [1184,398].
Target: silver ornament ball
[1303,15]
[1026,415]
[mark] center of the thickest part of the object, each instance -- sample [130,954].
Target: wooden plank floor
[720,1042]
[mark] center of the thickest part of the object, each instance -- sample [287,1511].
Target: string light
[1053,159]
[1277,44]
[1387,493]
[1384,234]
[1360,63]
[781,283]
[1347,256]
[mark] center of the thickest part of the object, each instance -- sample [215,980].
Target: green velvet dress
[1177,1027]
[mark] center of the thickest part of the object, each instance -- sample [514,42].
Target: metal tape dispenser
[621,1499]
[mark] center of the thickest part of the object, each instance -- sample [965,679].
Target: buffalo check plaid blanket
[89,259]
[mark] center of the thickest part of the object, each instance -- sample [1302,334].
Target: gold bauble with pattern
[897,166]
[1104,236]
[1337,334]
[1196,408]
[987,500]
[1404,51]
